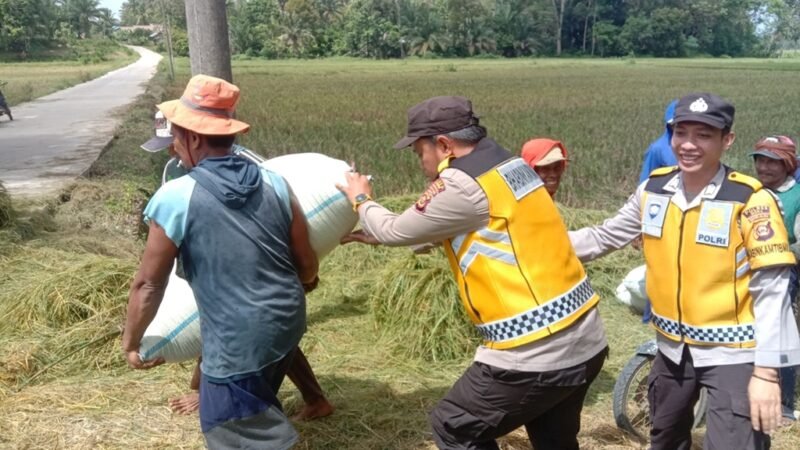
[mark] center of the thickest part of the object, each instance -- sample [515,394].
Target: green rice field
[374,336]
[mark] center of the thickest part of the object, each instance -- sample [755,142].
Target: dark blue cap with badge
[705,108]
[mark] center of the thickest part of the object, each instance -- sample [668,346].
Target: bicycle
[630,406]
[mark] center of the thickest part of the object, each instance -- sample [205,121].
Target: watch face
[361,197]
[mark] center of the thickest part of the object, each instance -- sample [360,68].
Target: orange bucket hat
[206,107]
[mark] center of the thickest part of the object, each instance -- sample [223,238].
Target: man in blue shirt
[243,241]
[659,153]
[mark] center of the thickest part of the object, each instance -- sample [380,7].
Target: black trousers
[673,390]
[488,402]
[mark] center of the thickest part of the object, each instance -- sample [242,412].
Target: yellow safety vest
[518,277]
[699,261]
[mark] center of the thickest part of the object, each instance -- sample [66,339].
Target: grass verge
[30,80]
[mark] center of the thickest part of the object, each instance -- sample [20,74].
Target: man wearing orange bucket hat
[243,241]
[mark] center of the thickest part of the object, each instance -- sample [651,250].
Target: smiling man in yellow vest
[718,267]
[519,279]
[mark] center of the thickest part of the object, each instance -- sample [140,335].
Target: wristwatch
[360,200]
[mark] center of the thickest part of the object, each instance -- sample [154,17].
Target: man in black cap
[519,281]
[718,268]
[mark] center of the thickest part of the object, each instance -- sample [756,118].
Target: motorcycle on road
[4,109]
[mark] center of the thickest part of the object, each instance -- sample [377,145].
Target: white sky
[113,5]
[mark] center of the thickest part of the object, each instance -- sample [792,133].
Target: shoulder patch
[663,171]
[433,190]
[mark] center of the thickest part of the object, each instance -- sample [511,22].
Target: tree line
[27,25]
[437,28]
[510,28]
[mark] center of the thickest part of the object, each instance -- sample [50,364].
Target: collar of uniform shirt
[788,184]
[675,185]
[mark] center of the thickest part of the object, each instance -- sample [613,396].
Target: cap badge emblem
[699,106]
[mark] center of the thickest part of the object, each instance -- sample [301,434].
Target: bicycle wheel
[631,408]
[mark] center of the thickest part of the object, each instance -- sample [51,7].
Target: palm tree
[295,37]
[104,22]
[431,42]
[134,12]
[424,31]
[79,14]
[330,10]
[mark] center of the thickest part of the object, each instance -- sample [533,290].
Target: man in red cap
[549,159]
[243,241]
[518,277]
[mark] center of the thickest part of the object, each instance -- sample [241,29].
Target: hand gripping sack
[174,333]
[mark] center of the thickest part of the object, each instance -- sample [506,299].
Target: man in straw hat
[316,405]
[519,281]
[718,269]
[243,241]
[775,159]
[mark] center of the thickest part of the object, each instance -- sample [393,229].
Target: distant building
[155,29]
[151,28]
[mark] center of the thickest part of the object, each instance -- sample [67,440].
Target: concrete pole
[209,49]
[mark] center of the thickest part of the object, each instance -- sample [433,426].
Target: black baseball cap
[437,115]
[705,108]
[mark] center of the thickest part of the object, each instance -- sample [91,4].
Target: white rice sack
[174,333]
[313,178]
[623,294]
[631,291]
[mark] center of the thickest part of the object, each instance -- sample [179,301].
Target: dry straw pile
[6,211]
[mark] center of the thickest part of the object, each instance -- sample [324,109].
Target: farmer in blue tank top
[243,241]
[776,162]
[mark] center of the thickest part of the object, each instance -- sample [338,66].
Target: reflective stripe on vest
[476,248]
[728,334]
[539,317]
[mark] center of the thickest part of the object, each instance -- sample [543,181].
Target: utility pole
[209,49]
[169,40]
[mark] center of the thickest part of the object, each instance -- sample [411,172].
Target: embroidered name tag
[714,227]
[655,211]
[520,177]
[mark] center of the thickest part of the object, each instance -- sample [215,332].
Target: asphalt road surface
[56,138]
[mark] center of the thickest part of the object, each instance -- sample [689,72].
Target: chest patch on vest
[520,177]
[655,211]
[433,190]
[714,227]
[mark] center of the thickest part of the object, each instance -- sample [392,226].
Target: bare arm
[147,291]
[305,259]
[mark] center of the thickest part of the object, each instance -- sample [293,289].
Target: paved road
[55,138]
